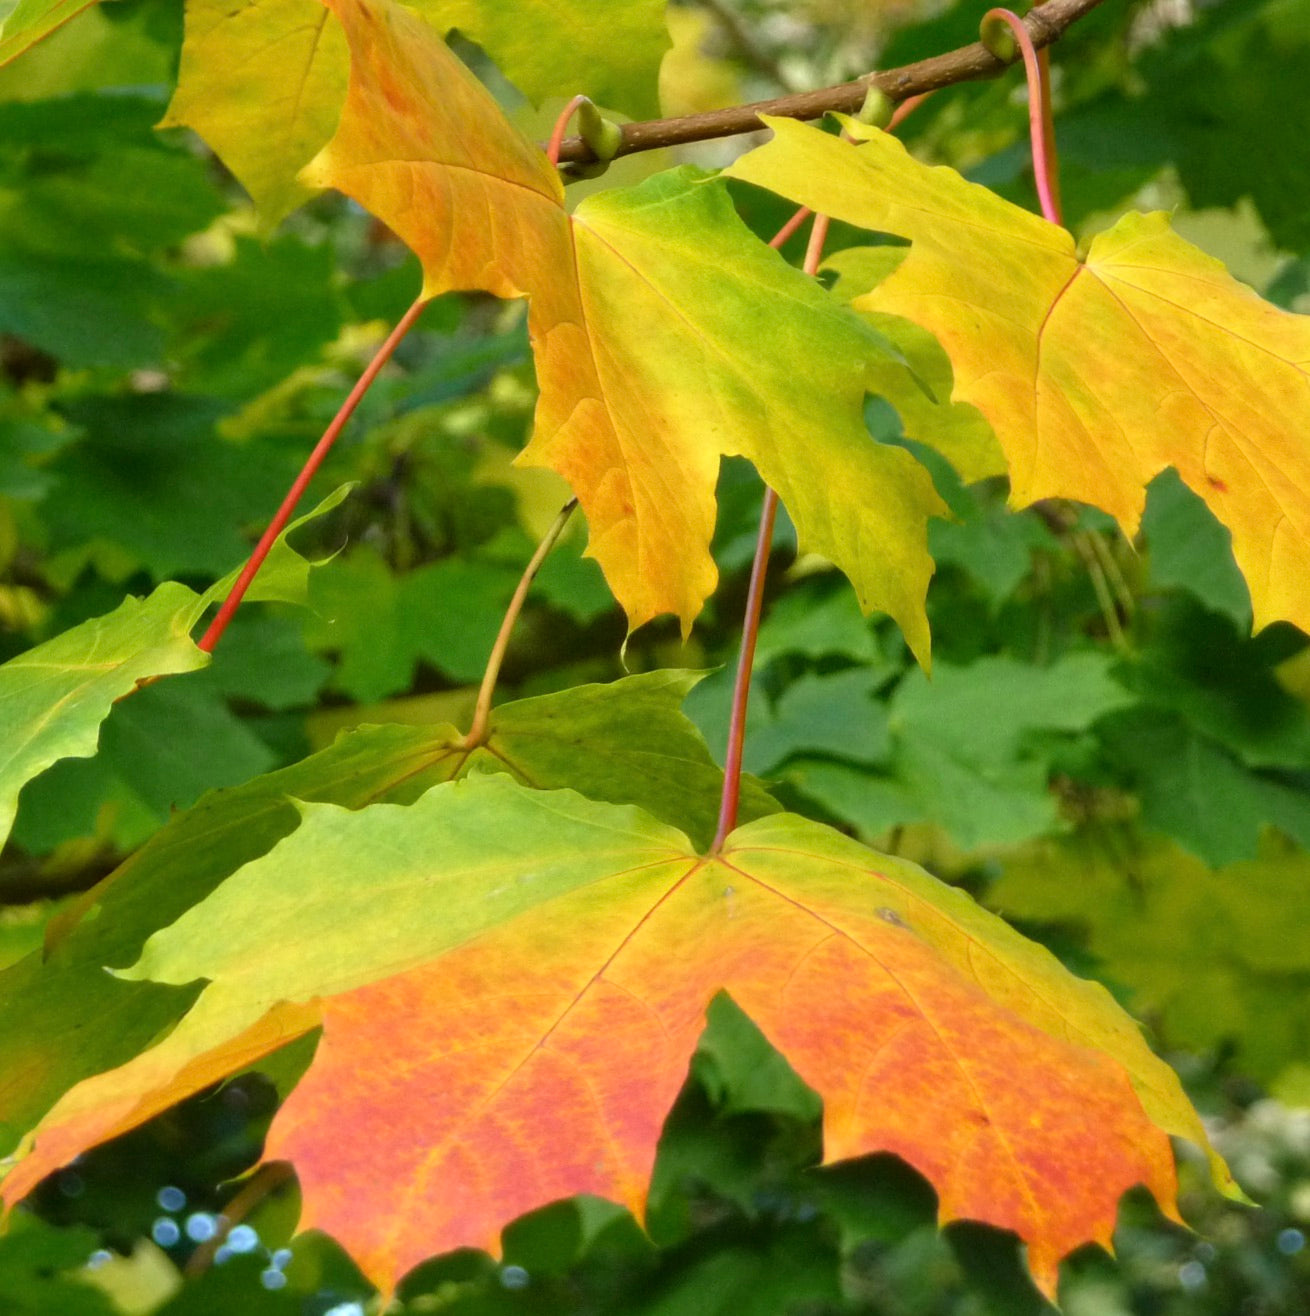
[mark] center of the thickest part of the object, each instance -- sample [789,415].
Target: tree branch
[1046,24]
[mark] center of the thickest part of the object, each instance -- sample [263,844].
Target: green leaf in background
[963,740]
[870,804]
[815,620]
[1223,684]
[381,624]
[834,714]
[101,188]
[25,447]
[53,698]
[255,317]
[791,1268]
[1189,549]
[151,476]
[43,1270]
[983,713]
[92,202]
[147,767]
[741,1071]
[978,804]
[1200,87]
[993,545]
[971,748]
[573,584]
[263,660]
[1196,792]
[90,313]
[1215,956]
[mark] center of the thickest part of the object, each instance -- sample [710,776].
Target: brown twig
[1046,24]
[263,1182]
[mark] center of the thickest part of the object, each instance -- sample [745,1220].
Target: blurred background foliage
[1105,754]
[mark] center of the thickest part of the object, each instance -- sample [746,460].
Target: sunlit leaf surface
[665,336]
[64,1019]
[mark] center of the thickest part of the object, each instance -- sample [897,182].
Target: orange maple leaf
[512,1022]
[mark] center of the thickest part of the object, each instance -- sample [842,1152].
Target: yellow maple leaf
[1096,373]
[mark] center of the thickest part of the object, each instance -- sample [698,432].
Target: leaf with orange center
[1095,373]
[666,335]
[64,1019]
[512,983]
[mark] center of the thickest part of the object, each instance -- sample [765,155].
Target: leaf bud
[994,32]
[603,136]
[877,109]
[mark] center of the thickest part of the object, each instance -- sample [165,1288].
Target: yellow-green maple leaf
[665,335]
[262,81]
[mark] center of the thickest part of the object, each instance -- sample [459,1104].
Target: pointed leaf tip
[53,698]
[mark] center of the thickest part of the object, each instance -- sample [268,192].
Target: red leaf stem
[307,473]
[742,685]
[1040,131]
[755,592]
[790,227]
[561,124]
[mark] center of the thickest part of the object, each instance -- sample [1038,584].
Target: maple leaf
[263,81]
[512,1023]
[64,1020]
[665,335]
[54,697]
[1096,373]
